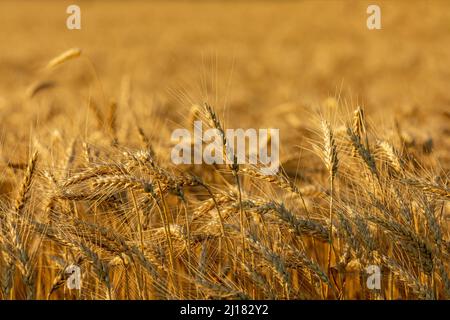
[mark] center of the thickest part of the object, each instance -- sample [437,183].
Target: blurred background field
[280,58]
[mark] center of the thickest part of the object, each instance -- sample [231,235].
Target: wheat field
[86,177]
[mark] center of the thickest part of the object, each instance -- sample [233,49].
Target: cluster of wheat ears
[140,227]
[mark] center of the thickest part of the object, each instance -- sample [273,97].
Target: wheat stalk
[63,57]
